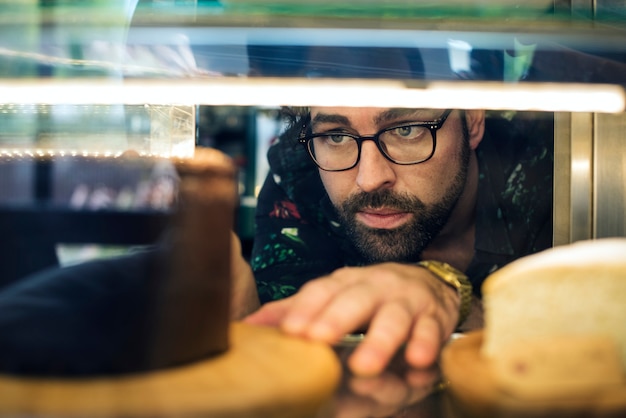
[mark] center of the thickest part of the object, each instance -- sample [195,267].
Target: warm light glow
[581,167]
[551,97]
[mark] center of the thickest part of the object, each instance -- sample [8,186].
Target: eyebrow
[398,113]
[383,117]
[330,118]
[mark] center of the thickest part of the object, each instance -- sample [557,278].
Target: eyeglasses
[408,144]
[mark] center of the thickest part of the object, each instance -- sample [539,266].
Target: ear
[475,120]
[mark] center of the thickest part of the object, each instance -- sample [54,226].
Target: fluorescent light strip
[17,153]
[566,97]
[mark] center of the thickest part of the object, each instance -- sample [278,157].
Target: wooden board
[471,382]
[263,374]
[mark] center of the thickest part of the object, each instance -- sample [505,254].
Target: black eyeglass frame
[433,127]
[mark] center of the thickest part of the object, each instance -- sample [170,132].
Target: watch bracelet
[461,284]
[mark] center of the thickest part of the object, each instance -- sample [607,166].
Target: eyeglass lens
[407,144]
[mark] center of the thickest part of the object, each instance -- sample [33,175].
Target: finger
[270,314]
[346,312]
[351,406]
[423,347]
[386,389]
[423,378]
[386,333]
[422,382]
[307,304]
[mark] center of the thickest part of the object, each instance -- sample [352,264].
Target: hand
[244,297]
[397,303]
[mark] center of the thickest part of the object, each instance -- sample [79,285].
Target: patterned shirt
[299,237]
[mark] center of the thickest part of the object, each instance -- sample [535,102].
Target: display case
[100,99]
[101,79]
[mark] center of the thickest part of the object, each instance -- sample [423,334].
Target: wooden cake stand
[471,381]
[263,374]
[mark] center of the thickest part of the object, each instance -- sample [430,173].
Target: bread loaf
[555,321]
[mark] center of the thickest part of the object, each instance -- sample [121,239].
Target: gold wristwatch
[454,278]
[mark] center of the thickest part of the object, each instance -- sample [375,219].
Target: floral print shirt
[298,236]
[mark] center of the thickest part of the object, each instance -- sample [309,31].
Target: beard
[407,242]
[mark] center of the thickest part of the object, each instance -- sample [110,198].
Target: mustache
[381,198]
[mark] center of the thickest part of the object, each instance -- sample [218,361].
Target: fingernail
[365,363]
[321,331]
[293,324]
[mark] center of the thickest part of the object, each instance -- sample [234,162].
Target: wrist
[455,279]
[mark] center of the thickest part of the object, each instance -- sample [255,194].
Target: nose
[374,170]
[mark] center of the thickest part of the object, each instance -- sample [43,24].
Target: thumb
[270,314]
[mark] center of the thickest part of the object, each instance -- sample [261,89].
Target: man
[343,222]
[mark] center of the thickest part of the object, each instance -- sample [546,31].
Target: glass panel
[99,99]
[97,129]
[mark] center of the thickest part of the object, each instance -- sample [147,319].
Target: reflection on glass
[97,130]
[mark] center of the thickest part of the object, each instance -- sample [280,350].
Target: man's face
[392,212]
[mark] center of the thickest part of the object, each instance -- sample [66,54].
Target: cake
[554,321]
[192,304]
[159,306]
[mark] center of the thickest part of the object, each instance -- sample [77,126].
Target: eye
[408,131]
[335,138]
